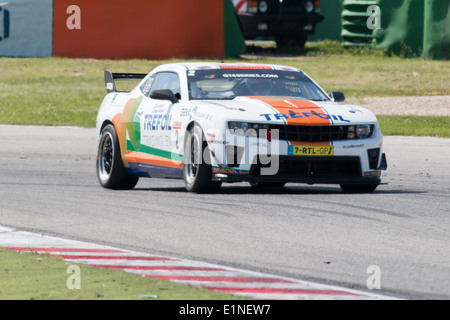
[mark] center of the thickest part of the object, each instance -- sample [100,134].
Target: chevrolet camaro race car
[209,123]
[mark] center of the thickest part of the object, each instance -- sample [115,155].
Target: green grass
[415,126]
[60,91]
[362,72]
[26,276]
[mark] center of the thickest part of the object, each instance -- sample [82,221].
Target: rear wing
[111,77]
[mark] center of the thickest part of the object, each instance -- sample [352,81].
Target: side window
[145,88]
[167,80]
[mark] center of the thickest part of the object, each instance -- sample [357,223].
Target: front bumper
[310,170]
[274,25]
[352,163]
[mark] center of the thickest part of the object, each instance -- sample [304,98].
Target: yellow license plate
[315,151]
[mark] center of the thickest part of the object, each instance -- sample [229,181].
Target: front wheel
[111,172]
[358,188]
[197,165]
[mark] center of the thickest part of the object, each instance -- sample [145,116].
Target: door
[155,154]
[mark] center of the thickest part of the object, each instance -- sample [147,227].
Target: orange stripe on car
[154,160]
[298,112]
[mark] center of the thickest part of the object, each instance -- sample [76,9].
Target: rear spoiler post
[111,77]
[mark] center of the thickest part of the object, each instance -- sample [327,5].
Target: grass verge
[415,126]
[27,276]
[59,91]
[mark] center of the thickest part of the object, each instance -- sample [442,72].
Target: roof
[233,66]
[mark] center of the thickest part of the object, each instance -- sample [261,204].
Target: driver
[259,87]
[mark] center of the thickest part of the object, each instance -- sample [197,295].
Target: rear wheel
[197,165]
[358,188]
[111,172]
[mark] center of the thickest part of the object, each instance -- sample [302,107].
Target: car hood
[288,110]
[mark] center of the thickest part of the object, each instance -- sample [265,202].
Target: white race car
[209,123]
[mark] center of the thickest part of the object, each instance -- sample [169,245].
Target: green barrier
[415,28]
[234,41]
[354,23]
[401,26]
[436,37]
[330,27]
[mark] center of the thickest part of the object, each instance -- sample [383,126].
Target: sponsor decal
[376,173]
[176,125]
[297,112]
[190,113]
[296,115]
[110,86]
[219,142]
[185,112]
[157,122]
[229,171]
[250,75]
[158,108]
[351,146]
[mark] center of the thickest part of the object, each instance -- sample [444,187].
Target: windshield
[229,84]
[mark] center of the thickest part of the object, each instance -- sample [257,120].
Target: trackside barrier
[402,24]
[415,27]
[436,36]
[234,40]
[26,28]
[354,23]
[154,29]
[330,27]
[408,27]
[116,29]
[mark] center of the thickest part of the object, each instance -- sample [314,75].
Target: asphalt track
[316,233]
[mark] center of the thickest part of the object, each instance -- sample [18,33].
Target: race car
[211,123]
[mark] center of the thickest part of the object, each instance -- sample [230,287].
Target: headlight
[363,131]
[360,131]
[309,6]
[246,128]
[263,6]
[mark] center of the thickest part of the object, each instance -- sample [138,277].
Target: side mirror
[337,96]
[164,95]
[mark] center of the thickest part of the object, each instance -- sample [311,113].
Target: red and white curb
[194,273]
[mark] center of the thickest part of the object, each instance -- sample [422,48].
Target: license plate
[316,151]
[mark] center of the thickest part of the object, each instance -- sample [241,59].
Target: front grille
[304,168]
[311,133]
[293,7]
[287,7]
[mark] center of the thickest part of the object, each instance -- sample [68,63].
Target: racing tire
[111,172]
[197,164]
[284,41]
[358,188]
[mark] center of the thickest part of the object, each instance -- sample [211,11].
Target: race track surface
[48,185]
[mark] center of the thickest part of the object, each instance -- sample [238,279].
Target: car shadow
[287,190]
